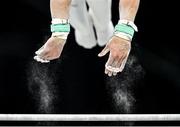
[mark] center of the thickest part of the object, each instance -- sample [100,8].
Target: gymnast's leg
[80,20]
[100,11]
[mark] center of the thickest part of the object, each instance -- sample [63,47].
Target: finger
[110,73]
[43,53]
[114,73]
[44,61]
[115,62]
[104,51]
[120,61]
[109,65]
[106,71]
[124,61]
[45,56]
[123,64]
[110,60]
[37,58]
[115,68]
[39,50]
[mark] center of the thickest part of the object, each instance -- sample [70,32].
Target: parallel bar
[90,117]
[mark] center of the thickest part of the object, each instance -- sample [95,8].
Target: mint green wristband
[60,28]
[124,29]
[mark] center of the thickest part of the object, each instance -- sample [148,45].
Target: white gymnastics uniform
[83,20]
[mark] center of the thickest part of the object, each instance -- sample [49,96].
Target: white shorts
[83,21]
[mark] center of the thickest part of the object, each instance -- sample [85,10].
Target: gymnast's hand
[119,51]
[50,50]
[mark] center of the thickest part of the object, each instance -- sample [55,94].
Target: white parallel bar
[90,117]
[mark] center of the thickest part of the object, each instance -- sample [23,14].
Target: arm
[118,46]
[53,47]
[128,9]
[60,8]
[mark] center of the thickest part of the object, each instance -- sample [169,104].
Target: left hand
[51,50]
[119,51]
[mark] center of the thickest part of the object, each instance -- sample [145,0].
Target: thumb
[104,51]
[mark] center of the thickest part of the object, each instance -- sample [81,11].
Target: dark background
[24,26]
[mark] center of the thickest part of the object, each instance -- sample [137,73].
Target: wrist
[125,29]
[60,28]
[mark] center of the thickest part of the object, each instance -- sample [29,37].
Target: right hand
[51,50]
[119,51]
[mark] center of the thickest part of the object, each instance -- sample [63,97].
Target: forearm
[128,9]
[60,8]
[54,46]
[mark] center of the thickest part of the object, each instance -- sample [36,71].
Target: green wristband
[124,29]
[60,28]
